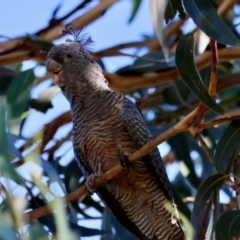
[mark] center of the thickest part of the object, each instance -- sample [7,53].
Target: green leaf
[180,147]
[189,74]
[6,76]
[226,146]
[227,226]
[206,18]
[177,94]
[204,194]
[72,175]
[5,164]
[236,169]
[148,63]
[135,6]
[16,67]
[214,215]
[6,232]
[41,104]
[107,224]
[90,202]
[177,189]
[122,232]
[18,93]
[87,232]
[37,231]
[208,169]
[12,149]
[37,40]
[174,6]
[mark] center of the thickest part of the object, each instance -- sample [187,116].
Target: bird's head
[73,68]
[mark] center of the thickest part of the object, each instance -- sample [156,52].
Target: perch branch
[183,125]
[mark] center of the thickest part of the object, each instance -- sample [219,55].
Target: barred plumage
[107,128]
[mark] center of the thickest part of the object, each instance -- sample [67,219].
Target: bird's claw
[90,182]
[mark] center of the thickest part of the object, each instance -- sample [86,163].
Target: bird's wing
[137,128]
[86,171]
[110,201]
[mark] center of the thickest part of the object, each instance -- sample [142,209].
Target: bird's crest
[78,36]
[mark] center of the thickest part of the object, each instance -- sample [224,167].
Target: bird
[107,128]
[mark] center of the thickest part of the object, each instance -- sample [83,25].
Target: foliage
[188,98]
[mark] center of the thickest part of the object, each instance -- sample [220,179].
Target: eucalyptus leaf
[176,94]
[122,232]
[37,40]
[227,226]
[135,7]
[180,147]
[190,76]
[107,224]
[18,93]
[6,231]
[72,175]
[5,164]
[174,6]
[12,149]
[206,18]
[52,174]
[41,104]
[214,215]
[226,146]
[204,193]
[37,231]
[6,76]
[86,232]
[148,63]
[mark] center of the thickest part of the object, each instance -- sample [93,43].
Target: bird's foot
[90,182]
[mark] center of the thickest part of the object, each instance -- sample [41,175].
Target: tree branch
[82,191]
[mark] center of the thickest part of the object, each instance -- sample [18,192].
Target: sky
[26,16]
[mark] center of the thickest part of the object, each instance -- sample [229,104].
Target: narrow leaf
[72,175]
[204,193]
[18,93]
[227,226]
[107,224]
[148,63]
[189,74]
[214,215]
[6,76]
[37,231]
[180,147]
[174,6]
[157,16]
[40,105]
[226,146]
[135,7]
[5,164]
[7,232]
[39,41]
[206,18]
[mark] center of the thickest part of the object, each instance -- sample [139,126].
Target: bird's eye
[69,55]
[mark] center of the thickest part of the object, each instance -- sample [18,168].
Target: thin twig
[205,148]
[218,122]
[214,72]
[60,20]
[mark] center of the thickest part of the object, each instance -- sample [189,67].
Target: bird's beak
[55,70]
[53,67]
